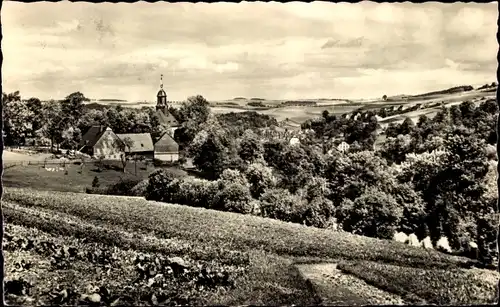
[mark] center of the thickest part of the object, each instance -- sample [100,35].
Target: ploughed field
[73,248]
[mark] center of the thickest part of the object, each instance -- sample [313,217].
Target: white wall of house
[167,157]
[106,147]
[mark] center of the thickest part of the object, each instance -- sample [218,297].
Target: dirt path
[337,288]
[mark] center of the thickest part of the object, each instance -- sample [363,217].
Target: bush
[95,182]
[124,187]
[413,206]
[96,190]
[260,178]
[373,214]
[233,197]
[318,212]
[158,183]
[233,176]
[282,205]
[487,240]
[140,188]
[193,192]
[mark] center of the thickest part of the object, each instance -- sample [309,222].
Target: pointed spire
[161,81]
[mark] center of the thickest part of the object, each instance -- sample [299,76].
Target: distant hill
[111,100]
[101,107]
[453,90]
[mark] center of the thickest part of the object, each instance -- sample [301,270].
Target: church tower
[161,98]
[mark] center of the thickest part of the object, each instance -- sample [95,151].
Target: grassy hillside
[76,179]
[257,253]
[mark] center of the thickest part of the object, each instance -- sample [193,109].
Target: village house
[166,148]
[138,144]
[101,142]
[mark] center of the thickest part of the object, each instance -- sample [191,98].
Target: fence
[61,163]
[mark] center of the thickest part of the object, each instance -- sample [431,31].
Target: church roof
[140,142]
[166,118]
[161,93]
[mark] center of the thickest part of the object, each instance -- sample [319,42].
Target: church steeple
[161,97]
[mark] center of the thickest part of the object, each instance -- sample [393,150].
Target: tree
[272,151]
[250,148]
[294,167]
[349,175]
[192,114]
[260,178]
[374,214]
[406,126]
[384,97]
[456,115]
[72,107]
[71,137]
[210,151]
[394,149]
[53,129]
[17,120]
[36,111]
[282,205]
[325,114]
[123,145]
[234,193]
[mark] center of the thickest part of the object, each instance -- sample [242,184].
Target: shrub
[158,183]
[123,187]
[373,214]
[487,240]
[281,204]
[260,177]
[194,192]
[233,176]
[318,212]
[96,190]
[413,206]
[233,197]
[95,182]
[140,188]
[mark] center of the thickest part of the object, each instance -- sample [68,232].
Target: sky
[261,49]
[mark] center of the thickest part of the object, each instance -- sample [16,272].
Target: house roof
[140,142]
[166,144]
[93,135]
[166,118]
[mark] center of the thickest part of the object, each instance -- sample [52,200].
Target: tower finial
[161,81]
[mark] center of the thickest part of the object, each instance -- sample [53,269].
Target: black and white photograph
[251,153]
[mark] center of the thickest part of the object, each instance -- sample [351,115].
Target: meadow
[130,251]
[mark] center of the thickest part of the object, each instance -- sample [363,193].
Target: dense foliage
[432,177]
[428,178]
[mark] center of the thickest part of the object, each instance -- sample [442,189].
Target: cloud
[235,49]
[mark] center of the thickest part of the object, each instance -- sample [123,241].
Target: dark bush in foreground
[280,204]
[373,214]
[318,212]
[140,188]
[123,187]
[158,183]
[233,197]
[487,240]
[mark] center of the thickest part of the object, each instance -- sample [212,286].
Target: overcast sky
[226,50]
